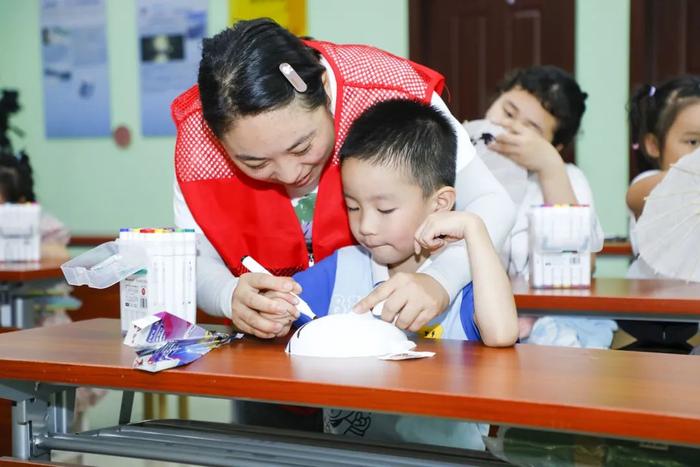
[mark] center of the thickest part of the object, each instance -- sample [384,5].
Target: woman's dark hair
[405,135]
[653,110]
[557,91]
[16,179]
[239,72]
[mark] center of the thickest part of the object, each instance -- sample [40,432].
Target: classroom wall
[96,187]
[602,69]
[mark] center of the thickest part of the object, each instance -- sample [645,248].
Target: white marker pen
[254,266]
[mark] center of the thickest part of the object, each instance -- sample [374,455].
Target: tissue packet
[163,341]
[512,176]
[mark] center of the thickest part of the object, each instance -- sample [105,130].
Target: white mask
[348,335]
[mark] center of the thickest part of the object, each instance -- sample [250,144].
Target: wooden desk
[616,249]
[12,277]
[89,240]
[617,394]
[622,298]
[31,271]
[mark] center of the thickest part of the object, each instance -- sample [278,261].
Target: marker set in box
[20,238]
[560,246]
[168,282]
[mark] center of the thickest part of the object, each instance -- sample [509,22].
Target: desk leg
[148,406]
[127,405]
[24,315]
[5,306]
[21,437]
[162,405]
[61,410]
[38,410]
[183,407]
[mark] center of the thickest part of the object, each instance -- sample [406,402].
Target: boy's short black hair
[407,135]
[557,91]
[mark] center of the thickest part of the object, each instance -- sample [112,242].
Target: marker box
[168,282]
[20,237]
[560,246]
[155,268]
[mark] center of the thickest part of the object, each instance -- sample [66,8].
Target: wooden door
[664,36]
[475,42]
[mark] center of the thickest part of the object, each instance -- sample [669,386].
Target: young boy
[398,172]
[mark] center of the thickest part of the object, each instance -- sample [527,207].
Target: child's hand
[527,148]
[441,228]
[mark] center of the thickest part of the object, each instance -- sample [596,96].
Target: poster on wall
[289,13]
[170,38]
[74,65]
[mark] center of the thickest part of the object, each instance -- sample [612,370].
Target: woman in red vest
[257,171]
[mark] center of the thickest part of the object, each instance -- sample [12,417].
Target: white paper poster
[170,38]
[75,73]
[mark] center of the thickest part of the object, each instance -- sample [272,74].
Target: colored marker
[254,266]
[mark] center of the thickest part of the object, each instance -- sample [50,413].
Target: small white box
[560,246]
[20,237]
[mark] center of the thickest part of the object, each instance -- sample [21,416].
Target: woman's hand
[252,312]
[527,148]
[285,319]
[416,298]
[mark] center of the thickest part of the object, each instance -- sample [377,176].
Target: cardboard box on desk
[155,268]
[560,246]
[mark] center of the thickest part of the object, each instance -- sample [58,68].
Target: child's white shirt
[515,251]
[639,269]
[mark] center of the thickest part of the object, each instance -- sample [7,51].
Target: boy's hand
[441,228]
[252,311]
[527,148]
[416,298]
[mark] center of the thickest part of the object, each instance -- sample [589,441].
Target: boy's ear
[651,145]
[444,199]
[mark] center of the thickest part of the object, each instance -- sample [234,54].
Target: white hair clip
[293,77]
[652,91]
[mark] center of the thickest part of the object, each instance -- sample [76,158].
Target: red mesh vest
[241,216]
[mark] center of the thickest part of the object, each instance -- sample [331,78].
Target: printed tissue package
[560,246]
[163,341]
[168,282]
[20,239]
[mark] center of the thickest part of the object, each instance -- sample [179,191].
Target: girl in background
[665,126]
[17,186]
[541,108]
[51,298]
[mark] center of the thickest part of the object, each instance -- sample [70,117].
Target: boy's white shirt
[515,250]
[639,269]
[475,188]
